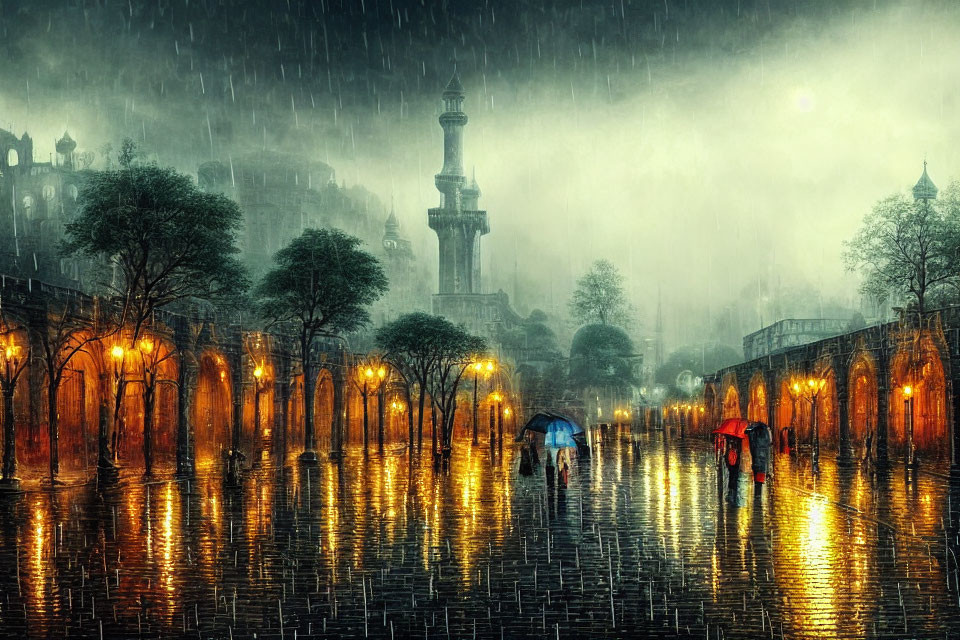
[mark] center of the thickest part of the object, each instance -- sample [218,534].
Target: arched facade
[211,410]
[731,398]
[918,366]
[758,405]
[828,419]
[323,409]
[710,411]
[862,399]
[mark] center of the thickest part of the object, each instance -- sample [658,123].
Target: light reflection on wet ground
[639,542]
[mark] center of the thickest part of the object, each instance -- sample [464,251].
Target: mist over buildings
[718,152]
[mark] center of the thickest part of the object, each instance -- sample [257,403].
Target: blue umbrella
[559,431]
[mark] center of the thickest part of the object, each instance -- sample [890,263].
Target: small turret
[925,189]
[65,148]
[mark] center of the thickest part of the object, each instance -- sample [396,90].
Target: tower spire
[925,189]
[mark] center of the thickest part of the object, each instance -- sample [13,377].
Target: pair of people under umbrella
[758,437]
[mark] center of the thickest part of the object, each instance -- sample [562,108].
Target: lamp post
[813,388]
[381,391]
[13,366]
[260,385]
[367,379]
[478,367]
[908,424]
[118,353]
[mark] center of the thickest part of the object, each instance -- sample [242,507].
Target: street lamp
[13,366]
[812,389]
[908,423]
[479,367]
[118,353]
[259,386]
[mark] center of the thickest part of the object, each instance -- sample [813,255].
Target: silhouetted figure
[758,436]
[526,466]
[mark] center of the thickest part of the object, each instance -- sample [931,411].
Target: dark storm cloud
[697,144]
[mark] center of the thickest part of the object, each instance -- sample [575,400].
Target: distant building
[460,223]
[280,195]
[785,334]
[37,199]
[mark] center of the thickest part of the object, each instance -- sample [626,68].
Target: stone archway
[257,438]
[787,406]
[919,367]
[828,423]
[78,405]
[862,399]
[323,410]
[211,409]
[709,408]
[731,400]
[758,406]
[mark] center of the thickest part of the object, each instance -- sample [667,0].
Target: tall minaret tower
[458,221]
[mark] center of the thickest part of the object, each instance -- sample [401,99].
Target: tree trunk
[53,426]
[433,425]
[149,401]
[308,403]
[184,465]
[406,390]
[103,422]
[366,419]
[9,435]
[420,402]
[381,392]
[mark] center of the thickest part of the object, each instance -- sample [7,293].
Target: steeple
[925,189]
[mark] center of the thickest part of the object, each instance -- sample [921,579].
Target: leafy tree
[66,333]
[166,240]
[408,345]
[599,296]
[907,248]
[601,356]
[454,350]
[321,283]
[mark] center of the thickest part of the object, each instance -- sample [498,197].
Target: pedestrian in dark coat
[758,435]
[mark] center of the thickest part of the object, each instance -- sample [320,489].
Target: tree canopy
[323,281]
[167,239]
[601,356]
[908,249]
[599,296]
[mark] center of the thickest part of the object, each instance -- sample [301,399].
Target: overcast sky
[698,145]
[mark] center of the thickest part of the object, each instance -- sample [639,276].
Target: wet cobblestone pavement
[639,544]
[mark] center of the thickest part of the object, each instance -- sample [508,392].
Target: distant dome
[66,144]
[924,189]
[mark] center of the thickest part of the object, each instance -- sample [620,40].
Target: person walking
[758,436]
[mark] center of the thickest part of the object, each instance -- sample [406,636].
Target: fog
[718,153]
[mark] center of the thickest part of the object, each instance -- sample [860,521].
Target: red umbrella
[735,427]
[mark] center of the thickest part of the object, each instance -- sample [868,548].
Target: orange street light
[117,352]
[258,373]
